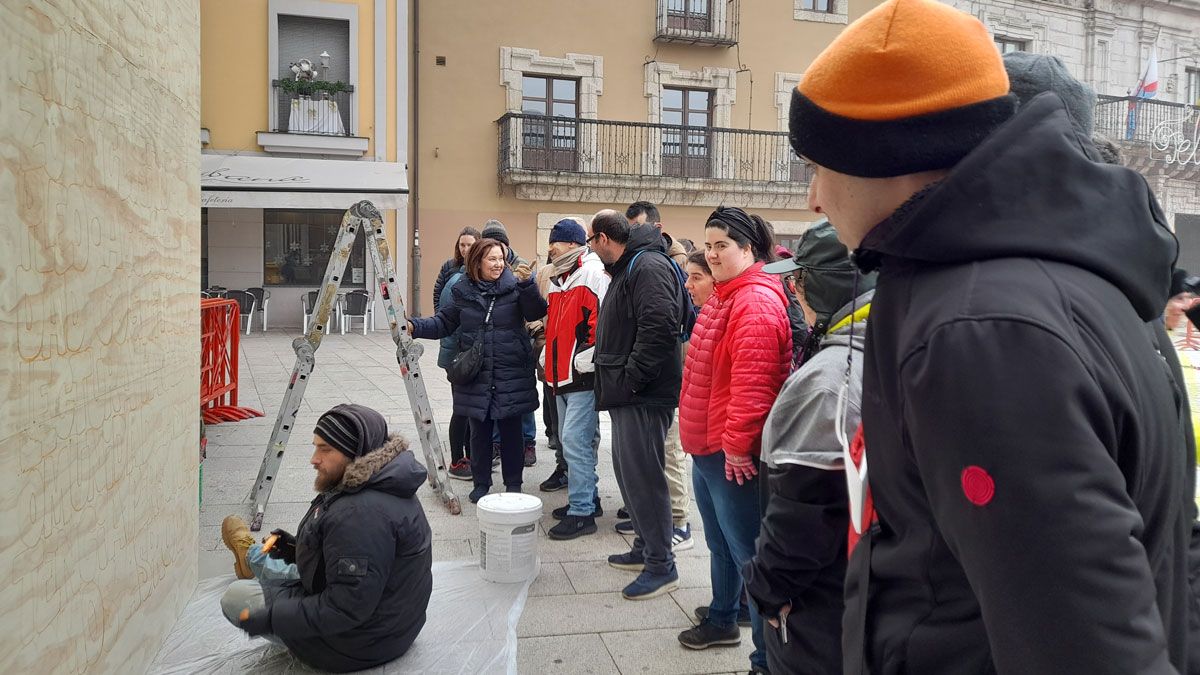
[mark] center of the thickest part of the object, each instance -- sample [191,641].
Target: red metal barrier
[219,330]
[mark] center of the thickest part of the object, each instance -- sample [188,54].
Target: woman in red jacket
[740,354]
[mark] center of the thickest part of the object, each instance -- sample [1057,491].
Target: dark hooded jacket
[637,333]
[449,268]
[1022,432]
[506,385]
[800,557]
[364,555]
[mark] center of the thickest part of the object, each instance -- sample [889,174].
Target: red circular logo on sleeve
[978,485]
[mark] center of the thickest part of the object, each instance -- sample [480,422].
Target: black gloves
[284,548]
[257,623]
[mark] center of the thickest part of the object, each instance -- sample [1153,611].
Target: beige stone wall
[99,362]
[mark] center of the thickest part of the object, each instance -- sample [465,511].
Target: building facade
[1107,43]
[303,113]
[529,112]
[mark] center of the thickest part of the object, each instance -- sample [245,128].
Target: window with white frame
[312,66]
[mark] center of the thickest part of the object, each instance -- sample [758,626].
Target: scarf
[567,262]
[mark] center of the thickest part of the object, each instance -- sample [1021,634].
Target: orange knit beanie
[913,85]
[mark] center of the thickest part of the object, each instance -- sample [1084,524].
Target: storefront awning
[239,181]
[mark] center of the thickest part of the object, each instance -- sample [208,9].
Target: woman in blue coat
[505,388]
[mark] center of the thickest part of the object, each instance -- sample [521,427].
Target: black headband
[736,219]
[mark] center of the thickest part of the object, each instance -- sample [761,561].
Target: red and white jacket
[574,301]
[739,356]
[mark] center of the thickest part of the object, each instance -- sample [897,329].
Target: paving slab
[565,655]
[597,613]
[658,652]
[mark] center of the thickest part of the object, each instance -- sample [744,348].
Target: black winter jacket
[448,269]
[364,555]
[637,333]
[1022,432]
[506,385]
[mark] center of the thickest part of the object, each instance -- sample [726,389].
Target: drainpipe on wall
[414,192]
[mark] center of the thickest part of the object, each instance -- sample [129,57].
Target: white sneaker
[681,539]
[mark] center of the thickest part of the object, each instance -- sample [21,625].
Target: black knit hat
[352,429]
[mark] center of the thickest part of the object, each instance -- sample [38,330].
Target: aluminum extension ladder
[362,215]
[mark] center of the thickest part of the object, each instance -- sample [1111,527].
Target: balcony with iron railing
[569,159]
[1127,118]
[703,22]
[312,117]
[1155,137]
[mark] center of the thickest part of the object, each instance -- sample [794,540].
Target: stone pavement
[575,620]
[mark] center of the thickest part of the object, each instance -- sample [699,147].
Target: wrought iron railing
[566,145]
[1126,118]
[323,112]
[713,22]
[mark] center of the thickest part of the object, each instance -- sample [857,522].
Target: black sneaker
[573,526]
[479,492]
[628,561]
[461,469]
[530,454]
[624,526]
[622,513]
[557,481]
[513,488]
[649,585]
[743,618]
[708,634]
[561,512]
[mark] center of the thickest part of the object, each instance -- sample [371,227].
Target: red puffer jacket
[739,356]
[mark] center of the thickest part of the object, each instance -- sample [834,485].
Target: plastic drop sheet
[471,627]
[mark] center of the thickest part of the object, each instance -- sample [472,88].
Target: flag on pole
[1147,88]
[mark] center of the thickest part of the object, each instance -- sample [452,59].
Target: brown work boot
[236,535]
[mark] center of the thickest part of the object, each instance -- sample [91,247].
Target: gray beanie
[494,229]
[1033,74]
[352,429]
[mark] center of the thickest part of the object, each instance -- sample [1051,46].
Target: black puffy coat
[365,560]
[506,385]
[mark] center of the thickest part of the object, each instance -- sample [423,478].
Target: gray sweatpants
[639,435]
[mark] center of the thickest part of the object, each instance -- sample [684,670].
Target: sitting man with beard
[350,590]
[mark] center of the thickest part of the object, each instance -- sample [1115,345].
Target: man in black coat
[638,377]
[350,590]
[1022,433]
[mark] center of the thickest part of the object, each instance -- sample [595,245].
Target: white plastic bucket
[508,536]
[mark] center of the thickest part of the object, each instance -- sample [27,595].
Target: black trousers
[460,437]
[550,421]
[512,451]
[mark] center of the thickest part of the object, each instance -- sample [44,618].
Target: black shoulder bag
[465,366]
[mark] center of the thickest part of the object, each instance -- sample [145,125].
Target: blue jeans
[266,567]
[248,593]
[731,520]
[578,427]
[528,430]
